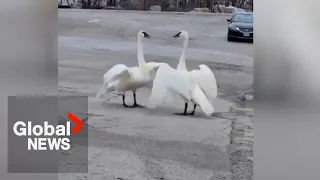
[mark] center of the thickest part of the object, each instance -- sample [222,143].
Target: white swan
[169,80]
[121,78]
[204,76]
[194,86]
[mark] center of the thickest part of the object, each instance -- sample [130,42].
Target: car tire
[228,36]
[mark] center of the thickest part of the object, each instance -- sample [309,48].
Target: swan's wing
[153,67]
[206,80]
[200,98]
[169,80]
[116,73]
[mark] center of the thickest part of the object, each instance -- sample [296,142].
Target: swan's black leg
[185,110]
[194,110]
[124,100]
[135,104]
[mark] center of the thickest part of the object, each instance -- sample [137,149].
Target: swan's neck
[141,61]
[182,59]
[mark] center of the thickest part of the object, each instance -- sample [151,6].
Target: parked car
[240,26]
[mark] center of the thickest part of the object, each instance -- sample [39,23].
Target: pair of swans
[197,86]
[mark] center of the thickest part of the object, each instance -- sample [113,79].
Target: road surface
[147,144]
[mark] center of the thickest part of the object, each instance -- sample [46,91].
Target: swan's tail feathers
[112,77]
[115,72]
[208,110]
[206,80]
[199,98]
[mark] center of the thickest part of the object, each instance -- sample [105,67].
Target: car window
[246,18]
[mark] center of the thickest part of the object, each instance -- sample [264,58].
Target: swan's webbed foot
[181,114]
[184,112]
[137,106]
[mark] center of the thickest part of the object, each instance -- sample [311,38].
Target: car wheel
[229,38]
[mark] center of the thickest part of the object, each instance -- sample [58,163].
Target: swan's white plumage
[199,98]
[206,80]
[121,78]
[113,77]
[194,86]
[204,76]
[203,89]
[117,71]
[169,80]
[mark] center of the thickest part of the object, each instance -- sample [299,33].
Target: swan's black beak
[177,35]
[146,35]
